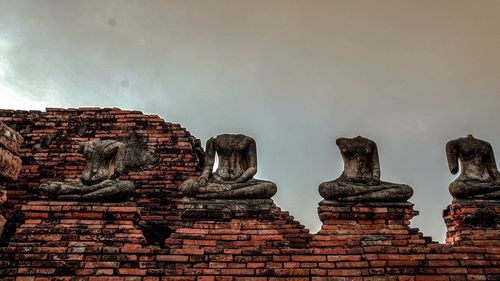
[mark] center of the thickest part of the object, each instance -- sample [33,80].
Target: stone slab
[219,209]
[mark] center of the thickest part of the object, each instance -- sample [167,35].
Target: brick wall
[67,241]
[49,153]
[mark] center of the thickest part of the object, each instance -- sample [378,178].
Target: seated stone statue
[479,178]
[105,161]
[360,181]
[10,163]
[233,178]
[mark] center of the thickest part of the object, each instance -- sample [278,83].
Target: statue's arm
[375,163]
[491,164]
[116,150]
[120,158]
[252,163]
[452,156]
[209,159]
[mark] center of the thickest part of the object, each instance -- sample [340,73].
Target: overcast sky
[295,75]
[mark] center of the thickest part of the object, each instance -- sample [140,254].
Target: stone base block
[196,209]
[366,224]
[473,223]
[246,225]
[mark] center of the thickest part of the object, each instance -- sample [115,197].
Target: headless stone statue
[233,178]
[105,162]
[10,163]
[479,178]
[360,181]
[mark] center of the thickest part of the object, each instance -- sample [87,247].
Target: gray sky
[295,75]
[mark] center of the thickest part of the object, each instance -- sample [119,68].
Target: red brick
[172,258]
[131,271]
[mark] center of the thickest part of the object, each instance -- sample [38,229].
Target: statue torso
[474,157]
[357,154]
[232,151]
[100,162]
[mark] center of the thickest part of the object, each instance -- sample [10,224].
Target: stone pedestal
[243,224]
[224,210]
[473,223]
[215,225]
[77,239]
[366,224]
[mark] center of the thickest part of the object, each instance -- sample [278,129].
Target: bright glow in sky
[12,100]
